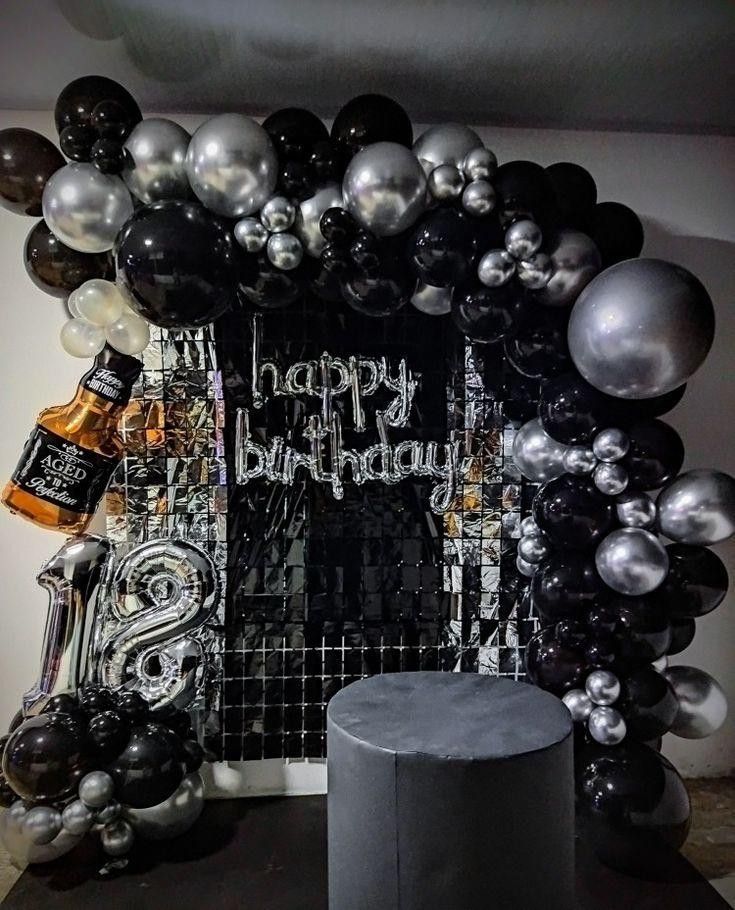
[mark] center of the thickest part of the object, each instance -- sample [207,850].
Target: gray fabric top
[462,715]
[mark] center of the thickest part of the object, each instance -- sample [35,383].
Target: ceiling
[653,65]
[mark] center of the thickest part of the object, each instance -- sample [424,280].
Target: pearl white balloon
[129,334]
[698,507]
[309,214]
[432,301]
[536,454]
[579,704]
[632,561]
[156,160]
[606,726]
[81,339]
[702,703]
[445,143]
[99,302]
[603,687]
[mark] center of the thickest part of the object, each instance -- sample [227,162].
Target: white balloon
[81,339]
[99,302]
[129,334]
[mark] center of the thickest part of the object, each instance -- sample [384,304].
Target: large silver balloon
[641,328]
[698,507]
[85,208]
[232,165]
[156,160]
[446,143]
[632,561]
[17,841]
[636,510]
[172,817]
[432,301]
[384,188]
[702,703]
[537,456]
[575,261]
[309,214]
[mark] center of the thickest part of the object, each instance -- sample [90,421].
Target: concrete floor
[711,844]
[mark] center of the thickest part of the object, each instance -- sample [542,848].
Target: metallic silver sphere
[445,183]
[479,164]
[632,561]
[41,824]
[77,818]
[96,789]
[15,840]
[579,704]
[535,273]
[606,726]
[610,478]
[533,548]
[636,510]
[108,813]
[117,838]
[575,261]
[523,239]
[478,198]
[528,526]
[603,687]
[702,703]
[698,507]
[525,568]
[611,444]
[579,460]
[309,214]
[432,301]
[251,234]
[536,455]
[445,143]
[496,268]
[284,251]
[278,214]
[156,160]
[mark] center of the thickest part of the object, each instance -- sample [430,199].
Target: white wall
[684,189]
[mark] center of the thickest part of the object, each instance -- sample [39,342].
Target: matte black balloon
[367,119]
[552,665]
[133,707]
[109,732]
[76,141]
[633,807]
[176,259]
[647,408]
[79,98]
[443,247]
[58,269]
[486,314]
[538,348]
[573,513]
[655,456]
[572,411]
[524,189]
[564,586]
[682,635]
[617,232]
[648,704]
[46,757]
[27,160]
[107,156]
[260,283]
[696,584]
[643,630]
[294,132]
[150,768]
[380,295]
[575,193]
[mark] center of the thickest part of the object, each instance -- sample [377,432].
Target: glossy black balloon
[571,632]
[519,395]
[93,700]
[552,665]
[633,807]
[63,704]
[485,314]
[648,408]
[538,347]
[338,227]
[573,513]
[642,630]
[46,757]
[111,120]
[192,755]
[564,586]
[648,704]
[296,180]
[602,653]
[696,584]
[682,635]
[294,132]
[107,156]
[367,119]
[178,721]
[617,232]
[325,162]
[176,259]
[572,411]
[109,732]
[524,189]
[442,247]
[7,795]
[133,707]
[262,285]
[76,141]
[575,194]
[367,253]
[380,295]
[78,100]
[150,768]
[27,160]
[655,456]
[56,268]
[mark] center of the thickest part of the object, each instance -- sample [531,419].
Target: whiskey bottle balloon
[74,448]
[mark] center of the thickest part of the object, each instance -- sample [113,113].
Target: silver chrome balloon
[432,301]
[606,726]
[528,526]
[85,208]
[698,507]
[309,214]
[641,328]
[579,460]
[445,183]
[173,817]
[18,844]
[579,704]
[575,260]
[445,143]
[232,165]
[702,702]
[636,510]
[496,268]
[479,164]
[524,567]
[156,160]
[96,789]
[478,198]
[42,824]
[632,561]
[610,478]
[278,214]
[535,273]
[384,188]
[602,687]
[251,234]
[536,455]
[117,838]
[533,548]
[523,238]
[284,251]
[611,444]
[77,818]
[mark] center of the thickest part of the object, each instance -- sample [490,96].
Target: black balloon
[642,630]
[58,269]
[617,232]
[378,295]
[602,653]
[109,732]
[572,411]
[552,665]
[538,348]
[647,408]
[133,707]
[519,395]
[564,586]
[294,133]
[27,160]
[696,584]
[260,283]
[682,635]
[524,189]
[107,156]
[485,314]
[150,768]
[295,179]
[112,120]
[655,456]
[192,754]
[442,247]
[648,704]
[176,260]
[78,100]
[573,513]
[575,193]
[633,807]
[7,795]
[94,699]
[325,162]
[76,141]
[338,227]
[63,704]
[367,119]
[46,757]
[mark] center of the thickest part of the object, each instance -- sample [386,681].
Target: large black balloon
[442,247]
[46,757]
[696,584]
[682,635]
[58,269]
[78,100]
[617,232]
[294,133]
[538,347]
[648,704]
[564,586]
[642,629]
[524,189]
[572,411]
[575,193]
[27,160]
[260,283]
[367,119]
[176,259]
[485,314]
[647,408]
[633,807]
[378,295]
[552,665]
[150,768]
[655,456]
[573,513]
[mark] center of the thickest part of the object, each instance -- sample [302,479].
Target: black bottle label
[63,473]
[107,384]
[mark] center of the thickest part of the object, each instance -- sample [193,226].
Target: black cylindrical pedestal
[449,791]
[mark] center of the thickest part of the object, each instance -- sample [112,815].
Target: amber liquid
[91,423]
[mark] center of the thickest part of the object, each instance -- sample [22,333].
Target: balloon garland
[600,343]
